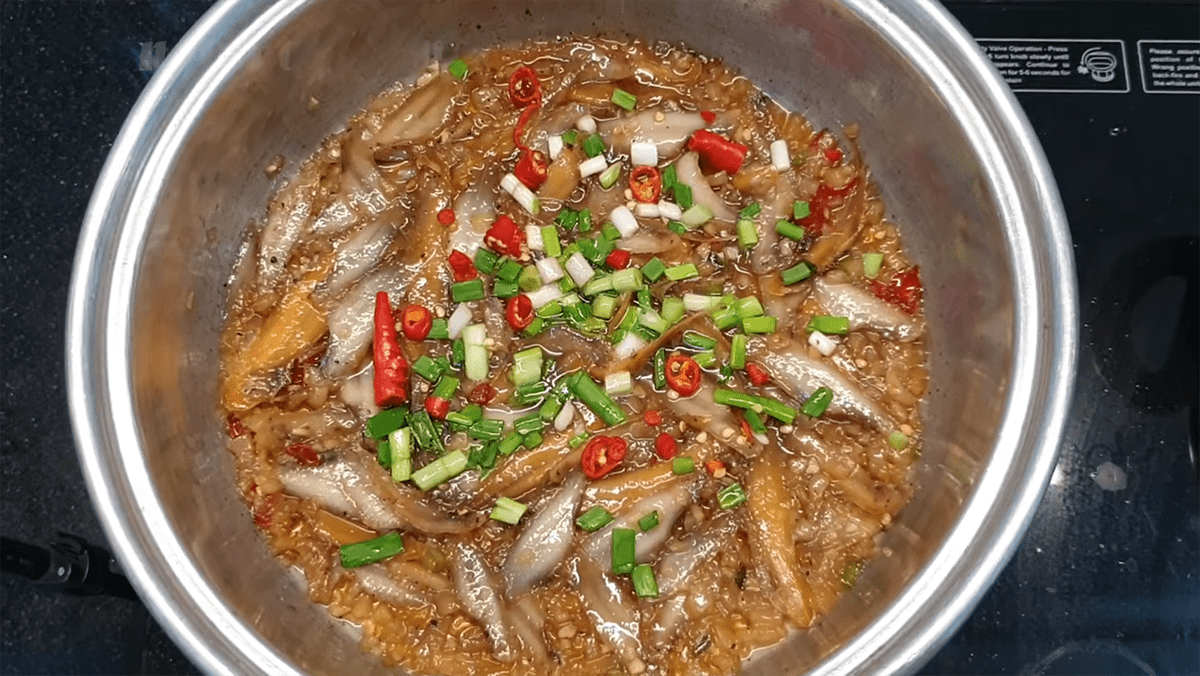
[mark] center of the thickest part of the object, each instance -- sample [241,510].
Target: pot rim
[1041,379]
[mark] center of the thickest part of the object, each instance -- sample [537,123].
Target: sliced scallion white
[646,210]
[533,238]
[527,366]
[616,384]
[554,146]
[565,415]
[643,154]
[696,215]
[669,210]
[458,321]
[547,293]
[523,195]
[624,221]
[781,160]
[586,124]
[592,166]
[550,270]
[695,302]
[608,177]
[629,345]
[824,344]
[580,270]
[475,353]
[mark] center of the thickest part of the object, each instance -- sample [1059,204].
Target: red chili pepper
[602,455]
[665,446]
[904,291]
[652,418]
[463,266]
[505,237]
[264,514]
[833,155]
[235,426]
[437,407]
[715,468]
[757,374]
[618,259]
[304,454]
[814,223]
[416,320]
[746,431]
[519,312]
[646,184]
[482,394]
[709,116]
[524,88]
[446,216]
[683,374]
[717,152]
[391,368]
[532,168]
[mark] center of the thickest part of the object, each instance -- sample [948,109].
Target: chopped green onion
[749,306]
[790,230]
[383,453]
[761,324]
[698,340]
[706,359]
[508,510]
[568,218]
[645,585]
[747,233]
[654,269]
[533,393]
[598,284]
[594,519]
[400,444]
[427,434]
[731,496]
[472,289]
[458,68]
[461,420]
[623,556]
[604,306]
[678,273]
[653,321]
[851,572]
[696,215]
[871,263]
[583,387]
[683,195]
[624,99]
[457,352]
[385,422]
[488,429]
[485,260]
[439,329]
[776,409]
[797,273]
[818,402]
[608,177]
[669,178]
[504,289]
[535,327]
[593,145]
[585,220]
[532,440]
[378,549]
[724,317]
[737,351]
[750,210]
[570,136]
[648,522]
[629,279]
[577,440]
[672,309]
[440,471]
[800,210]
[681,464]
[527,366]
[555,402]
[829,325]
[645,299]
[677,227]
[898,440]
[619,383]
[446,387]
[660,369]
[754,421]
[530,423]
[509,270]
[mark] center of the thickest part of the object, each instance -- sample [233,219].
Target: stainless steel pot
[945,139]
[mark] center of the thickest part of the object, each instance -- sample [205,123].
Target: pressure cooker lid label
[1170,66]
[1060,64]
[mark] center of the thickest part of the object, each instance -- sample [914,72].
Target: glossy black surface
[1105,582]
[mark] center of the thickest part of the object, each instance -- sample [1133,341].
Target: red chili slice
[602,455]
[757,374]
[519,312]
[904,291]
[415,321]
[652,418]
[708,116]
[646,184]
[446,216]
[524,88]
[482,394]
[264,514]
[833,155]
[618,259]
[463,266]
[717,152]
[532,168]
[235,426]
[391,368]
[683,374]
[665,446]
[304,454]
[715,468]
[505,237]
[437,407]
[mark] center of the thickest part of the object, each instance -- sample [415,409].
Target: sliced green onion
[851,572]
[585,220]
[750,210]
[527,366]
[672,309]
[829,325]
[532,440]
[683,195]
[608,177]
[531,279]
[457,352]
[747,233]
[677,227]
[789,230]
[696,215]
[645,585]
[898,440]
[623,556]
[776,409]
[509,270]
[653,321]
[530,423]
[472,289]
[706,359]
[400,443]
[604,306]
[761,324]
[677,273]
[669,178]
[385,422]
[488,429]
[660,369]
[578,440]
[645,299]
[485,260]
[362,553]
[818,402]
[457,68]
[446,387]
[619,383]
[737,351]
[583,387]
[654,269]
[624,99]
[594,519]
[550,241]
[505,289]
[439,329]
[383,453]
[427,434]
[731,496]
[533,393]
[648,522]
[724,317]
[593,145]
[440,471]
[629,279]
[698,340]
[872,262]
[535,327]
[570,136]
[508,510]
[800,210]
[681,464]
[797,273]
[568,218]
[754,421]
[598,284]
[749,306]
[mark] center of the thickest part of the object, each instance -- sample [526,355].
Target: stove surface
[1107,579]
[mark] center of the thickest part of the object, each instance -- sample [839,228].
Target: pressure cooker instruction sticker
[1060,64]
[1170,66]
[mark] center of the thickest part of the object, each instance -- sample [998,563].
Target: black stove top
[1107,580]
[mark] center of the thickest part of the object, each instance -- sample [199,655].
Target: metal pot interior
[956,162]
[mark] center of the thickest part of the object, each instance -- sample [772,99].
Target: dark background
[1104,582]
